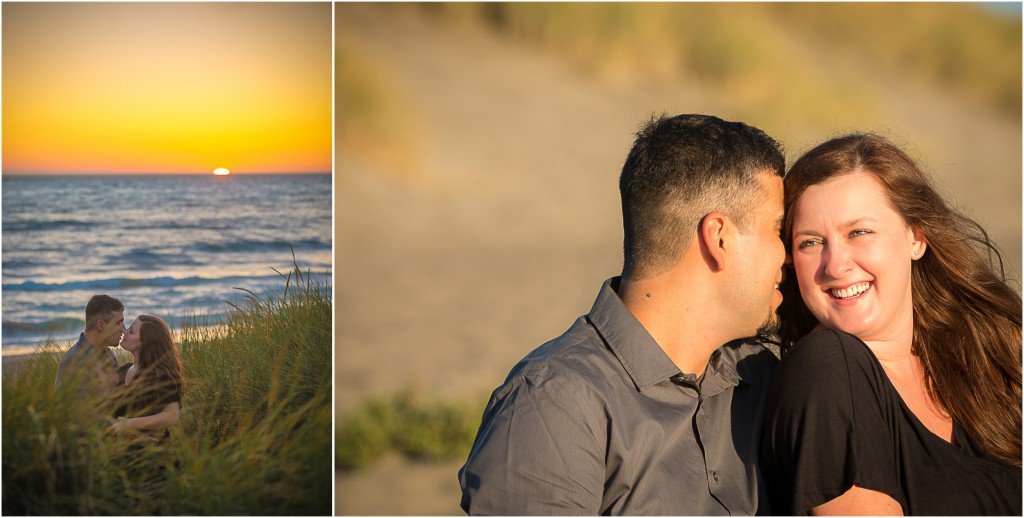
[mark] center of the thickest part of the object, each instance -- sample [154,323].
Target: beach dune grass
[410,423]
[254,436]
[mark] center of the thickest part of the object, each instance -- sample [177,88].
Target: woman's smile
[850,292]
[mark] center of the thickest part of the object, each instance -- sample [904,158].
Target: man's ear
[712,235]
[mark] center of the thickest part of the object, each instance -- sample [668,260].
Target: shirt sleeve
[538,452]
[61,369]
[826,428]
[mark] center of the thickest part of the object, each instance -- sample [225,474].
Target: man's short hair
[679,170]
[99,308]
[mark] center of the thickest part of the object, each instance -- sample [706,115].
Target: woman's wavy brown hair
[967,319]
[159,359]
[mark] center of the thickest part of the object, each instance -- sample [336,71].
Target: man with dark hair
[90,364]
[639,408]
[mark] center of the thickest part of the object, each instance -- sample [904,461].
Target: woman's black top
[145,396]
[833,420]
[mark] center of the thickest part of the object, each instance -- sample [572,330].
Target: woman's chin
[859,329]
[830,325]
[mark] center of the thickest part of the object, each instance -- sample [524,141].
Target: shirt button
[714,475]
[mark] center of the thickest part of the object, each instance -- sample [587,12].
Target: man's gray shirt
[600,421]
[95,371]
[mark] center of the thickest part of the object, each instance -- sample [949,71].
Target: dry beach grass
[254,435]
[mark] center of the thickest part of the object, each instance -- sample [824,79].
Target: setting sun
[220,171]
[239,83]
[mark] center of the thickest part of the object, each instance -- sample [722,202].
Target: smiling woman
[905,352]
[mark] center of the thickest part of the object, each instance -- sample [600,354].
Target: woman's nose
[837,261]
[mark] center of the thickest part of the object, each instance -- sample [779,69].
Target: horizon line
[155,173]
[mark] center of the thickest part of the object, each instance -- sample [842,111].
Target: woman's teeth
[851,291]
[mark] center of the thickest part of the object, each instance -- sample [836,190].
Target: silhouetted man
[90,365]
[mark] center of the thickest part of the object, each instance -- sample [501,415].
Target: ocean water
[166,245]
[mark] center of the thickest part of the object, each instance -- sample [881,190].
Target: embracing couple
[141,397]
[899,387]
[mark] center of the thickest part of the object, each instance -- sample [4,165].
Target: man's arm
[539,451]
[65,361]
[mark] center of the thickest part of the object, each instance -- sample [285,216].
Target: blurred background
[478,148]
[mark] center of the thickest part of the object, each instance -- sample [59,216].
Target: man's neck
[680,316]
[91,339]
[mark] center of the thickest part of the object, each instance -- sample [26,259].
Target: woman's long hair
[967,319]
[159,360]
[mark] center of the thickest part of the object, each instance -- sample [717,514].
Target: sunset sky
[166,87]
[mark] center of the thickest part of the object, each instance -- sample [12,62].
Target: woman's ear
[918,243]
[712,234]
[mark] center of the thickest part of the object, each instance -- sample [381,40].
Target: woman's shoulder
[122,373]
[825,354]
[826,373]
[825,345]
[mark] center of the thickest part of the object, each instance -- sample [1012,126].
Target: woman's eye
[808,243]
[860,232]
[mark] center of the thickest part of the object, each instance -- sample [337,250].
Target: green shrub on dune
[407,423]
[254,436]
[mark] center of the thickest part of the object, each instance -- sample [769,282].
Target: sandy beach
[446,277]
[13,357]
[13,360]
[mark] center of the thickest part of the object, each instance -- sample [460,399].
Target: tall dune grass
[774,58]
[254,436]
[963,47]
[373,119]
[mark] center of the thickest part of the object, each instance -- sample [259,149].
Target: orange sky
[166,87]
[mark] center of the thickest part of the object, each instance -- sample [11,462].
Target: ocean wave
[255,245]
[31,225]
[57,325]
[17,333]
[147,257]
[123,283]
[12,265]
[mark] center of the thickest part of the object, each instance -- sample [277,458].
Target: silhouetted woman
[150,400]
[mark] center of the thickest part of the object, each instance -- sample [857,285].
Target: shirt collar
[84,343]
[720,374]
[643,359]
